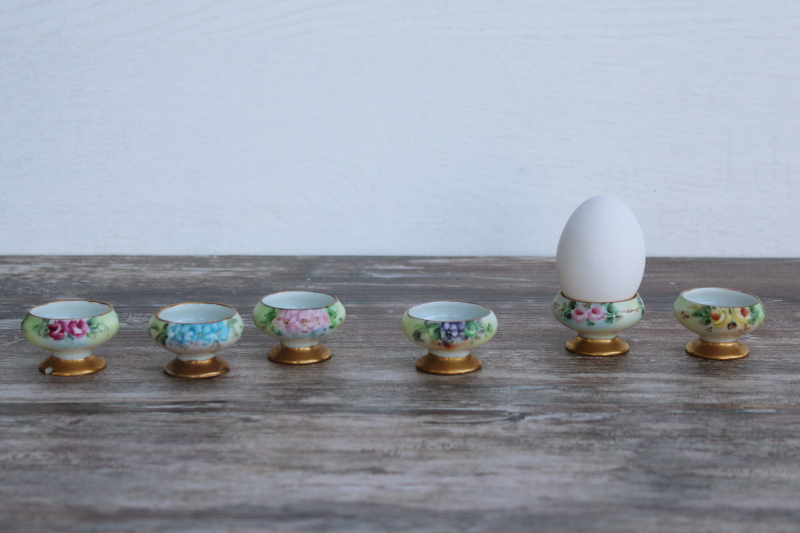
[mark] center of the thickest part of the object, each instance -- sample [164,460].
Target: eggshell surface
[601,252]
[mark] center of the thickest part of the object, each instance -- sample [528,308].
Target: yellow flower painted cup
[719,317]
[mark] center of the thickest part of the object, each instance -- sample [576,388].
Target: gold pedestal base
[216,366]
[299,356]
[53,366]
[448,366]
[597,347]
[721,351]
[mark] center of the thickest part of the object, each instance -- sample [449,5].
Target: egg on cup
[600,264]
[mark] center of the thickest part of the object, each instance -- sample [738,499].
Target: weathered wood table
[539,440]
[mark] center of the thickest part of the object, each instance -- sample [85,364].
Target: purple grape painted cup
[449,330]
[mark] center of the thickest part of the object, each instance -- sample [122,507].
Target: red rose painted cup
[70,330]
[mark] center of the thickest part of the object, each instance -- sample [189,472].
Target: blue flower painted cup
[195,332]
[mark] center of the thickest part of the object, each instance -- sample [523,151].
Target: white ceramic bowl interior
[716,297]
[298,300]
[70,309]
[449,311]
[196,313]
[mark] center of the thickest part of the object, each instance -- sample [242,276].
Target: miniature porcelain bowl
[70,330]
[597,324]
[719,317]
[299,320]
[195,332]
[449,330]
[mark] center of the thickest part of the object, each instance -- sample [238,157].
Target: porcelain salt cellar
[299,320]
[70,330]
[195,332]
[719,317]
[449,331]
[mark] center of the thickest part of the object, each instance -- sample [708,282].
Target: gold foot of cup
[216,366]
[597,347]
[448,366]
[53,366]
[299,356]
[721,351]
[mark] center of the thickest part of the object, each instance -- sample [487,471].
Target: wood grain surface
[538,440]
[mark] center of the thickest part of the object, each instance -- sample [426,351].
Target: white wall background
[406,127]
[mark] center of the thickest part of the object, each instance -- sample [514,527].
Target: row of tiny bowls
[196,331]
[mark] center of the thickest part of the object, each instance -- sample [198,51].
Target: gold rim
[408,311]
[758,300]
[597,347]
[448,366]
[335,301]
[719,351]
[158,313]
[53,366]
[208,368]
[307,355]
[110,308]
[614,302]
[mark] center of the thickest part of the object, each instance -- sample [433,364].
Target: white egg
[601,253]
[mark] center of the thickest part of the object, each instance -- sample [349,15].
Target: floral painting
[60,330]
[301,323]
[185,336]
[715,319]
[590,314]
[453,334]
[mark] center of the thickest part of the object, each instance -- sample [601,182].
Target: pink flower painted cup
[597,323]
[299,319]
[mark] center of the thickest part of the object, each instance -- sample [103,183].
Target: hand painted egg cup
[719,317]
[299,319]
[70,330]
[597,324]
[195,332]
[449,330]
